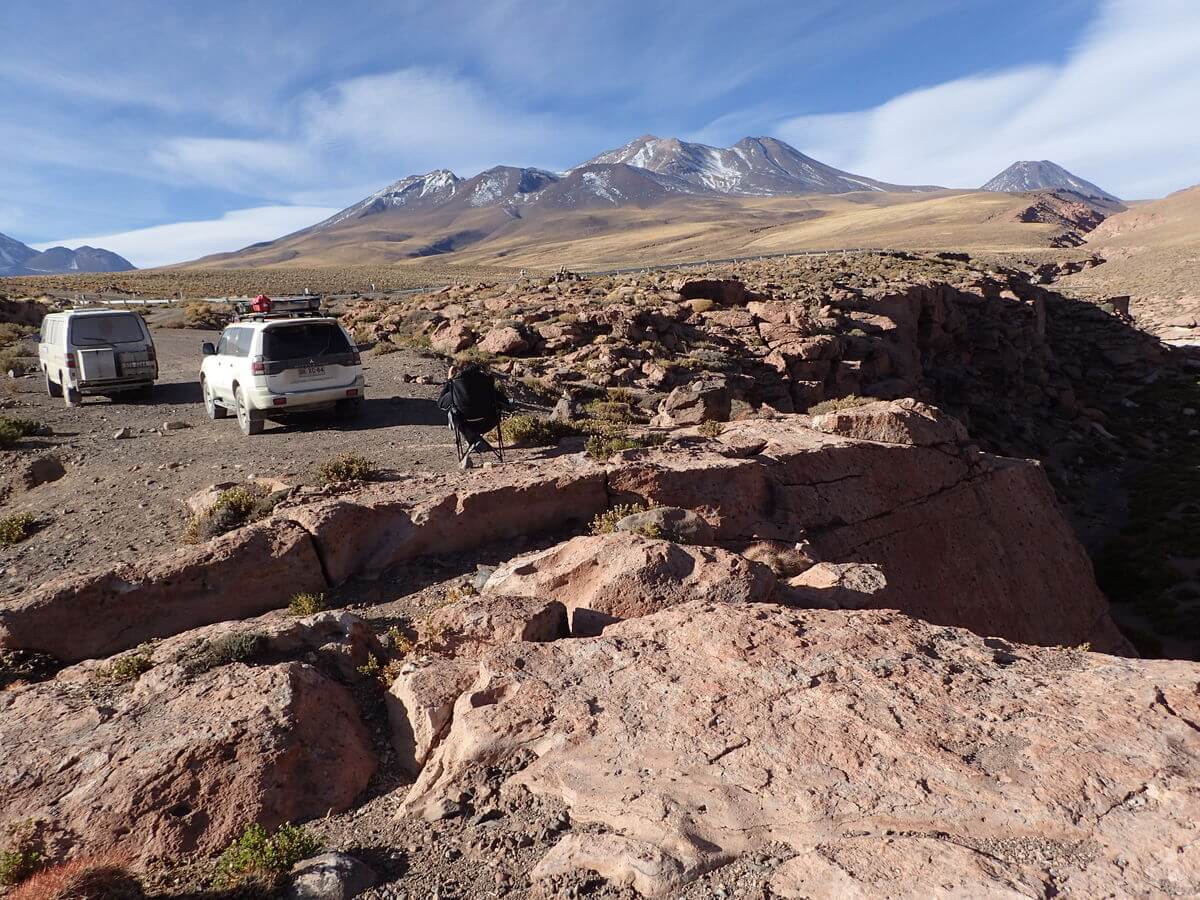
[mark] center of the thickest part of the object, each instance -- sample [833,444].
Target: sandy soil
[123,498]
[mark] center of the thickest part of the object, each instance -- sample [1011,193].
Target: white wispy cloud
[162,245]
[1120,111]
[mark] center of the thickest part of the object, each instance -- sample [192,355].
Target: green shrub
[602,445]
[534,431]
[13,429]
[828,406]
[260,854]
[384,347]
[346,467]
[24,854]
[606,522]
[233,508]
[711,428]
[208,316]
[307,604]
[128,668]
[618,411]
[15,528]
[224,650]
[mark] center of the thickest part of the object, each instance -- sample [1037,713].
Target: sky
[165,131]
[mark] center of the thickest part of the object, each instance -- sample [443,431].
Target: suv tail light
[151,354]
[257,366]
[356,358]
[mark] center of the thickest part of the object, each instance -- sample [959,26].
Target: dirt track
[123,498]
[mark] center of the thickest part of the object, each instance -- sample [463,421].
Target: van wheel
[70,395]
[214,409]
[52,390]
[246,422]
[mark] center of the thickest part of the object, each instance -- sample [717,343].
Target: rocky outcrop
[365,530]
[238,575]
[893,757]
[179,759]
[604,578]
[958,537]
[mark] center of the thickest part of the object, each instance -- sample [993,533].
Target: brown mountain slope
[668,229]
[1153,255]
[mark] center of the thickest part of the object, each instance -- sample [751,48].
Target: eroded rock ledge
[960,537]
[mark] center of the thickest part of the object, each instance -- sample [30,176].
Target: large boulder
[182,759]
[603,578]
[238,575]
[960,537]
[894,757]
[694,403]
[905,421]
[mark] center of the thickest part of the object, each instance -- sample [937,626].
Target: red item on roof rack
[261,304]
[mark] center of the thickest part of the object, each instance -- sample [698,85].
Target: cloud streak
[1120,111]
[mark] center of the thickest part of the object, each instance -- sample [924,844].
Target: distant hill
[19,259]
[1042,175]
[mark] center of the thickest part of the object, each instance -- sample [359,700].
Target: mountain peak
[754,166]
[1041,175]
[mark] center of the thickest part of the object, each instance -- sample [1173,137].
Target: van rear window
[304,341]
[105,329]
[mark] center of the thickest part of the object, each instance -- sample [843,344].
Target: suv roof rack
[263,308]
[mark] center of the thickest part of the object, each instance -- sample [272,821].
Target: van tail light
[71,361]
[257,366]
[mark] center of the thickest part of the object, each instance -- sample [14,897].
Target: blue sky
[166,130]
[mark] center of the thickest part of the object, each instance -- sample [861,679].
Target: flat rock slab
[179,763]
[897,758]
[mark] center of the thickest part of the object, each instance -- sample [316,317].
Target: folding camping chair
[474,405]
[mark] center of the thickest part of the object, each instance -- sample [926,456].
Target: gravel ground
[123,498]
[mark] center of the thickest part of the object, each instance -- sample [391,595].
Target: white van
[96,351]
[269,367]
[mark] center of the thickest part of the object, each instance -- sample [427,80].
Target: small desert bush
[13,429]
[385,673]
[618,411]
[89,878]
[606,522]
[262,855]
[15,528]
[23,853]
[601,446]
[222,651]
[127,668]
[534,431]
[306,604]
[208,316]
[17,666]
[711,428]
[384,347]
[346,467]
[233,508]
[828,406]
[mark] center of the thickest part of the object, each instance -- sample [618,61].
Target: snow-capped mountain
[1041,175]
[426,191]
[756,167]
[19,259]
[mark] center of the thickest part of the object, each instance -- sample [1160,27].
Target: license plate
[306,372]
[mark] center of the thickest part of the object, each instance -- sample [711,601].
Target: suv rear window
[304,341]
[106,329]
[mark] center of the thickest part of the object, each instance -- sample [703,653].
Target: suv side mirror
[208,349]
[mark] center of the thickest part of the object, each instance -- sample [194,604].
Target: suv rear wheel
[52,389]
[214,409]
[350,408]
[246,421]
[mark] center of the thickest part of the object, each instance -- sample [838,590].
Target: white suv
[268,368]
